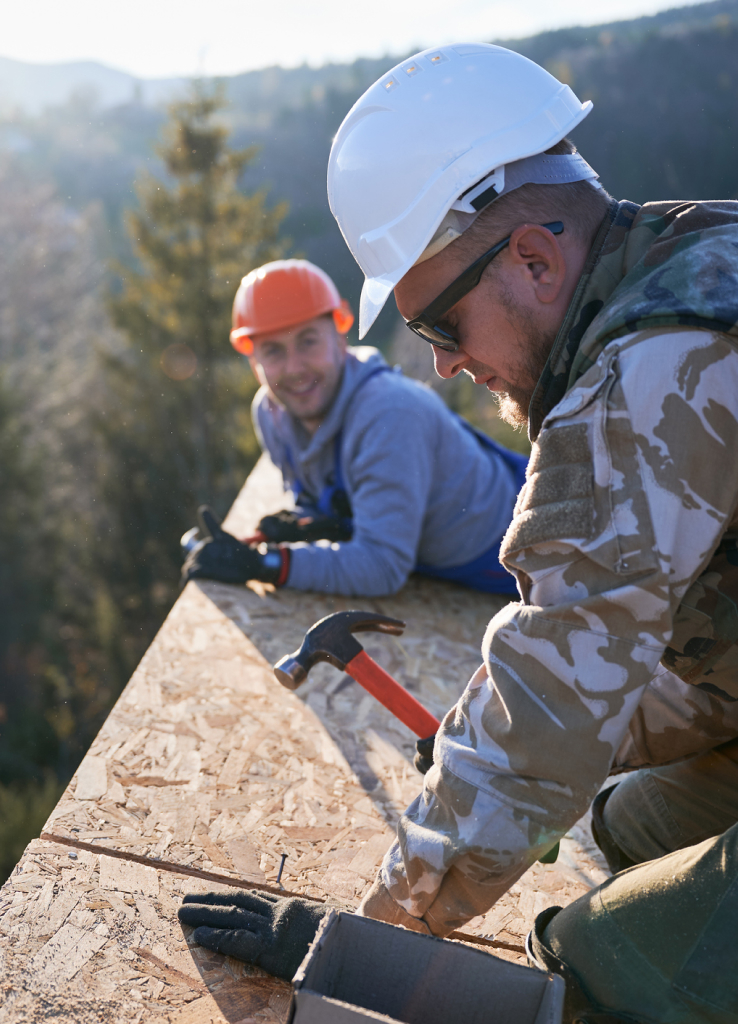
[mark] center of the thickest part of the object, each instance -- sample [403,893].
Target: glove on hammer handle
[395,698]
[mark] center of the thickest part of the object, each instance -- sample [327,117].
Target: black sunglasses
[426,324]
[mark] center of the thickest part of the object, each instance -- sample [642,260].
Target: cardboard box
[358,970]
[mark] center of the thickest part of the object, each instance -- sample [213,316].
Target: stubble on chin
[513,405]
[513,400]
[514,397]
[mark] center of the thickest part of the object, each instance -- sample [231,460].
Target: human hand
[272,932]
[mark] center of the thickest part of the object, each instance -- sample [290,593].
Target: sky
[171,38]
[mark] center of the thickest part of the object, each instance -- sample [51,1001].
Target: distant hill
[665,123]
[31,88]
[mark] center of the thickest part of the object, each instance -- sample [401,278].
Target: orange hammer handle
[395,698]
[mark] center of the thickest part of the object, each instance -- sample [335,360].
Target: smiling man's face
[302,367]
[507,325]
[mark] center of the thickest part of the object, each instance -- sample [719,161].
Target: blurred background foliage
[172,414]
[124,229]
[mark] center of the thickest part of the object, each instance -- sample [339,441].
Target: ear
[537,253]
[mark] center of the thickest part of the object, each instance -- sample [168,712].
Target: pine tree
[29,561]
[58,672]
[175,423]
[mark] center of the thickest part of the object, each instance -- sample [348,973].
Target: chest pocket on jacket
[557,500]
[704,647]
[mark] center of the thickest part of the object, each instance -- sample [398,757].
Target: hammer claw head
[331,640]
[381,624]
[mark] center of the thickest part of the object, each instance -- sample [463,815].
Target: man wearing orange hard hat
[385,478]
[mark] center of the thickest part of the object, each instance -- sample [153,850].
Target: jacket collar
[595,287]
[659,265]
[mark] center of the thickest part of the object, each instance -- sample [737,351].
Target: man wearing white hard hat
[611,331]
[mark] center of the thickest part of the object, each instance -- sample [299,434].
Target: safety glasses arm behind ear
[426,324]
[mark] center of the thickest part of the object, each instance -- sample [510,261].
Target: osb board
[207,761]
[86,937]
[208,764]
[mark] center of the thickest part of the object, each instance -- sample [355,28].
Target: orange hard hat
[282,294]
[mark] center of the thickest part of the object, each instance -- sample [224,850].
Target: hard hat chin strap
[540,169]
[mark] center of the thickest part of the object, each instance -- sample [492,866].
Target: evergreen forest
[124,231]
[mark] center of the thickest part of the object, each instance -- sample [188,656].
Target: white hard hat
[428,131]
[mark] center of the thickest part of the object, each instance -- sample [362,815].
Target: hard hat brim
[374,294]
[242,342]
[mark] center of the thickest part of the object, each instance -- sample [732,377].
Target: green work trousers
[658,810]
[658,942]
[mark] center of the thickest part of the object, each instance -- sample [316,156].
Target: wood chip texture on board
[207,763]
[82,940]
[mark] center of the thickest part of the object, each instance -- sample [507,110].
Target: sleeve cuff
[284,572]
[379,905]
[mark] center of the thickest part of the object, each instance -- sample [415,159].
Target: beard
[514,398]
[513,401]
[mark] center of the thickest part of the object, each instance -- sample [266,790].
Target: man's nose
[294,364]
[448,364]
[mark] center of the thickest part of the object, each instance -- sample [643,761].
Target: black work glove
[291,526]
[273,932]
[222,557]
[423,760]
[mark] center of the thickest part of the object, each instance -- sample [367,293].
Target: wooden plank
[84,938]
[224,759]
[208,771]
[206,752]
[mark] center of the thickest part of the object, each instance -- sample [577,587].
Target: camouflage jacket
[623,545]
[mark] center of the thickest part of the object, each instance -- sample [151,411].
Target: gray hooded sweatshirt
[422,487]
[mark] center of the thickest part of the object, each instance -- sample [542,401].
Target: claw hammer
[332,640]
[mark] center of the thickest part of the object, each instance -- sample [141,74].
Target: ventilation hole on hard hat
[438,58]
[412,70]
[390,84]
